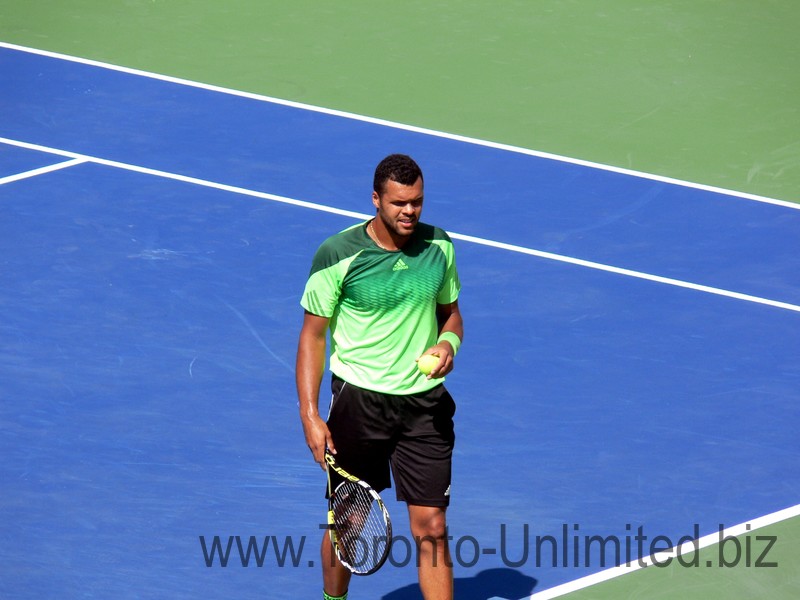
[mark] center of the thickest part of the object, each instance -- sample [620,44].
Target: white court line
[454,235]
[42,170]
[401,126]
[627,272]
[662,557]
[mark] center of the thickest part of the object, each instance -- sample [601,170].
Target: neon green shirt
[382,305]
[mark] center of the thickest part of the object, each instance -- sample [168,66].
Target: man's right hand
[318,438]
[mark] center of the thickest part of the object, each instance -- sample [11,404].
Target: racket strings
[361,527]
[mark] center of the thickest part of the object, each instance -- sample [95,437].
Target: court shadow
[491,583]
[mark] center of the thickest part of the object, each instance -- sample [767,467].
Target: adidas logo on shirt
[400,265]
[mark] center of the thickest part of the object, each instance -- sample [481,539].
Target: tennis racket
[358,522]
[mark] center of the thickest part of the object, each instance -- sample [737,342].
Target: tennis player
[388,291]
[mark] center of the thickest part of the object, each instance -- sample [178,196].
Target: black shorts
[414,434]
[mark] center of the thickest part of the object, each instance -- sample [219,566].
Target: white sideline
[401,126]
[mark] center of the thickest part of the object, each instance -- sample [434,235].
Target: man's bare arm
[449,318]
[309,370]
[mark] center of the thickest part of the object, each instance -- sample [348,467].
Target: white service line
[358,215]
[662,557]
[42,170]
[400,126]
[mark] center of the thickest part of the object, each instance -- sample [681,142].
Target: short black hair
[396,167]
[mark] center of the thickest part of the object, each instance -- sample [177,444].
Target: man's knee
[428,523]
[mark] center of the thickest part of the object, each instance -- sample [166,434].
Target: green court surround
[699,90]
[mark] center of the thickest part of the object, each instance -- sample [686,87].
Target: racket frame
[332,464]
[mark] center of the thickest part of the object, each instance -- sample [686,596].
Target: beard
[399,226]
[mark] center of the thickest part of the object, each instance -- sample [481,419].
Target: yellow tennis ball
[427,363]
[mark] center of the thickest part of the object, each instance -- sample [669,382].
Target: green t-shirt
[382,305]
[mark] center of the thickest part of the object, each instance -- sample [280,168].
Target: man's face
[399,206]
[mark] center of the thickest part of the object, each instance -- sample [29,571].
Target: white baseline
[82,158]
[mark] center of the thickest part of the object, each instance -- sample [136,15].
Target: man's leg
[354,421]
[335,576]
[429,528]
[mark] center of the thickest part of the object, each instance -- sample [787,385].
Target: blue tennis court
[631,360]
